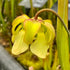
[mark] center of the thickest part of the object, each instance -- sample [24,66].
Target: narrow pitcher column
[62,36]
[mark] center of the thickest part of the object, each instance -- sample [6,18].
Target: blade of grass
[3,4]
[7,8]
[12,9]
[1,17]
[31,4]
[62,36]
[55,63]
[50,3]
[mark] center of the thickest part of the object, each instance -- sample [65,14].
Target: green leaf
[19,45]
[40,47]
[62,36]
[69,43]
[31,28]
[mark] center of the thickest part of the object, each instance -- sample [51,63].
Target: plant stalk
[50,10]
[45,64]
[31,4]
